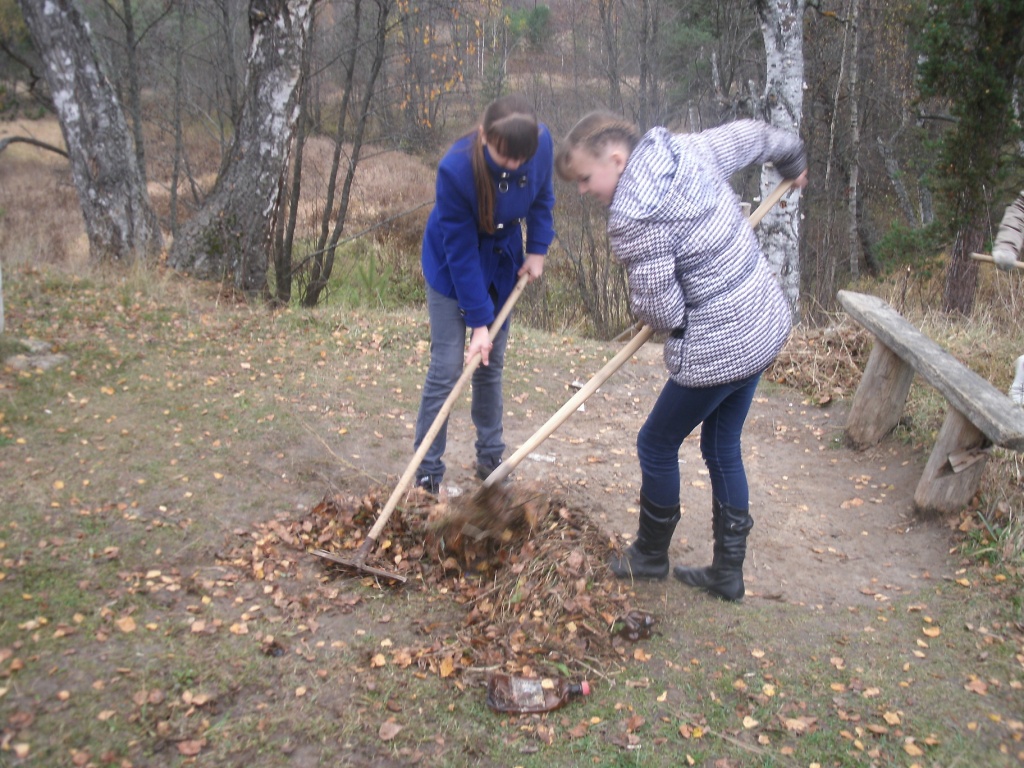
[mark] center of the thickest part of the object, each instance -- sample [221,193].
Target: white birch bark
[231,237]
[119,220]
[782,29]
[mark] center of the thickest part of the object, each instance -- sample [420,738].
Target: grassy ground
[139,625]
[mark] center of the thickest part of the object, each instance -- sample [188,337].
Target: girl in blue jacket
[695,272]
[490,184]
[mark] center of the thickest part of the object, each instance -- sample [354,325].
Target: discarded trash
[546,457]
[506,693]
[635,625]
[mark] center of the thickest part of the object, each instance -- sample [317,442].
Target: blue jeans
[721,410]
[447,359]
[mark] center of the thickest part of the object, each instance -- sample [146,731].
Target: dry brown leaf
[912,749]
[578,731]
[388,730]
[977,686]
[191,747]
[447,668]
[799,724]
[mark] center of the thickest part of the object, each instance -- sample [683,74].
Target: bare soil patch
[833,526]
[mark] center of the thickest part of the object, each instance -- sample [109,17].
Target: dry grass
[388,184]
[825,363]
[40,219]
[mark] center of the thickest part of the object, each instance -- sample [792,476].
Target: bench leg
[880,397]
[954,469]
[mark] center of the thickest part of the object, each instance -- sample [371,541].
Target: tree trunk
[782,29]
[285,227]
[134,93]
[231,237]
[962,275]
[853,239]
[179,141]
[119,220]
[323,260]
[896,176]
[606,8]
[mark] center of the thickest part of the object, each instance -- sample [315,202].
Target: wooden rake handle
[435,427]
[989,260]
[504,469]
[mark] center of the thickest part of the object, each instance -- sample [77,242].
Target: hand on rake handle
[533,267]
[480,344]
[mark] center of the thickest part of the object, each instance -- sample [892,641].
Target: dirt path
[834,527]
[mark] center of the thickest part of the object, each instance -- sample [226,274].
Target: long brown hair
[593,133]
[510,126]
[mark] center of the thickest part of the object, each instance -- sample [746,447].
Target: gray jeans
[447,358]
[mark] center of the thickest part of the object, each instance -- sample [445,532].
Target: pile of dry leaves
[824,363]
[529,572]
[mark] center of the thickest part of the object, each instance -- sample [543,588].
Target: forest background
[907,110]
[240,135]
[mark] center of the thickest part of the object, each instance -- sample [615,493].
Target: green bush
[918,249]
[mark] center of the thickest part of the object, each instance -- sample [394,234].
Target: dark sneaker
[431,485]
[484,470]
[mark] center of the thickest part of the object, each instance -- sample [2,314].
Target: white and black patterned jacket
[693,261]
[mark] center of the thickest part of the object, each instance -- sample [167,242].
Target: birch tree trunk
[896,177]
[119,220]
[231,237]
[782,29]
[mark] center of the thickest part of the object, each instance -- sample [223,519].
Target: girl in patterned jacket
[490,183]
[695,272]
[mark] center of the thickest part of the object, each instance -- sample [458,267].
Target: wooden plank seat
[979,415]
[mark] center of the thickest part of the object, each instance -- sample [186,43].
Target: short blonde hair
[593,133]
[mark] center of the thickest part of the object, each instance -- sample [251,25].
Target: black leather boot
[647,557]
[724,577]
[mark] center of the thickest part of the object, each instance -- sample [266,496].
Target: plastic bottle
[506,693]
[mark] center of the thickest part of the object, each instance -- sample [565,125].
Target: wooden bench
[979,415]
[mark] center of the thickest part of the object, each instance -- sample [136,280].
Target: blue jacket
[463,263]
